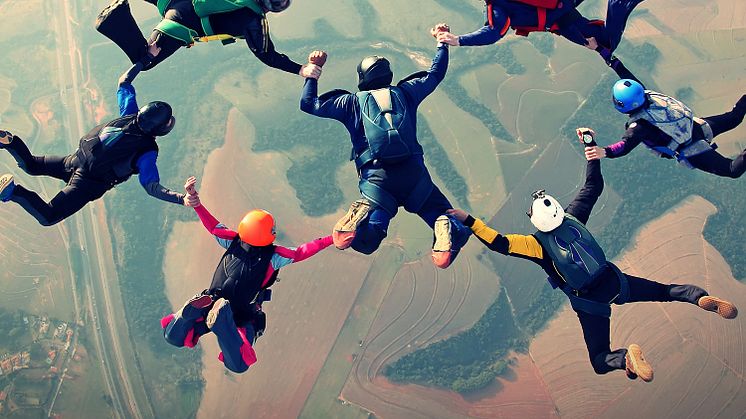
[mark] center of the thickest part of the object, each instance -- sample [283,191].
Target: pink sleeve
[304,251]
[213,225]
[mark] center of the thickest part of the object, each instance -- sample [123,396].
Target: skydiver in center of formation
[232,307]
[576,264]
[106,157]
[670,129]
[188,21]
[382,122]
[556,16]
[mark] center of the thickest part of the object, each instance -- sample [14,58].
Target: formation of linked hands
[191,199]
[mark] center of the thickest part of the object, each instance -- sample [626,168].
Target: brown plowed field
[698,357]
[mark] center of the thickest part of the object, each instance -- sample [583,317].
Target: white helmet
[546,213]
[275,6]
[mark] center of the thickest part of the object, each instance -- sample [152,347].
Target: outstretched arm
[126,95]
[421,87]
[583,203]
[150,180]
[286,255]
[496,27]
[517,245]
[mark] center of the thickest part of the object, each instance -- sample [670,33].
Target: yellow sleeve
[485,233]
[524,246]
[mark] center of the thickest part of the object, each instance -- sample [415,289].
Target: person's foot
[110,9]
[6,187]
[443,246]
[724,308]
[346,227]
[195,306]
[217,312]
[5,138]
[636,365]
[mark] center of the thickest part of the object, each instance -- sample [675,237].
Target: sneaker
[637,366]
[5,138]
[725,309]
[214,315]
[7,185]
[442,255]
[344,230]
[195,305]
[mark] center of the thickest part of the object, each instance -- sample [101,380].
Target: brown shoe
[724,308]
[344,230]
[637,366]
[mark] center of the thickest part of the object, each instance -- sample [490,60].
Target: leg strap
[379,196]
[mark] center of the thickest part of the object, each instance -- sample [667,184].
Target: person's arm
[150,180]
[260,43]
[493,31]
[332,106]
[587,197]
[126,94]
[631,139]
[422,87]
[619,68]
[286,255]
[516,245]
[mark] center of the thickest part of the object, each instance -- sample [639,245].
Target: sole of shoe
[355,215]
[442,231]
[724,308]
[5,138]
[214,313]
[640,366]
[6,181]
[201,301]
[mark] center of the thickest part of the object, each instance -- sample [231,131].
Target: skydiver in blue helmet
[575,263]
[185,22]
[107,156]
[556,16]
[382,121]
[670,129]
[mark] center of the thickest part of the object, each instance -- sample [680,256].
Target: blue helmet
[628,95]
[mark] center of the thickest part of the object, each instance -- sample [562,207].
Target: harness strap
[379,196]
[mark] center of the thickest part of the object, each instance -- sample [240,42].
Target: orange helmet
[257,228]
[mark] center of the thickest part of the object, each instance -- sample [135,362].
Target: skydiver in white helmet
[576,264]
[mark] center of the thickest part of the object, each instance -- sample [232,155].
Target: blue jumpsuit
[400,179]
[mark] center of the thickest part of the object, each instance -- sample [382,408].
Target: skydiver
[107,156]
[188,21]
[670,129]
[381,114]
[232,306]
[555,16]
[576,264]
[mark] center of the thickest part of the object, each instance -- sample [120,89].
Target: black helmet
[275,5]
[373,73]
[156,118]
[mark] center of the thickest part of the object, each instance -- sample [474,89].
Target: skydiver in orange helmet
[232,306]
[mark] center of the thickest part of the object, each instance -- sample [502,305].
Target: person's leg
[235,343]
[617,14]
[371,231]
[713,162]
[179,329]
[53,166]
[67,202]
[598,342]
[729,120]
[641,289]
[449,234]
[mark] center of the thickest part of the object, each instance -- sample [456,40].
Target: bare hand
[437,29]
[592,43]
[459,214]
[448,38]
[310,71]
[595,153]
[154,49]
[192,200]
[318,58]
[189,185]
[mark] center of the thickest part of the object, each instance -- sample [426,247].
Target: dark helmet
[275,5]
[156,118]
[373,73]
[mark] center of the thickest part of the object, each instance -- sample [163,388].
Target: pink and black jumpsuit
[235,326]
